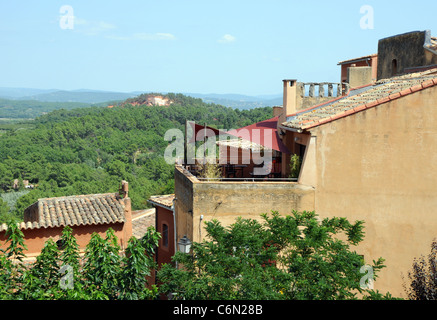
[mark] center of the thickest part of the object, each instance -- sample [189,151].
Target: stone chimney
[127,226]
[124,190]
[289,99]
[359,76]
[277,111]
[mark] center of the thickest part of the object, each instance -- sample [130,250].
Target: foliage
[295,164]
[15,239]
[210,170]
[4,210]
[423,277]
[90,150]
[104,273]
[293,257]
[26,109]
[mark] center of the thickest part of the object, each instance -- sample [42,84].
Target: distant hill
[238,101]
[28,103]
[20,93]
[54,95]
[30,109]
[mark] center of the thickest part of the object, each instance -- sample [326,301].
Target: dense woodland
[25,109]
[90,150]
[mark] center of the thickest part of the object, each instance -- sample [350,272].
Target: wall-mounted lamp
[184,245]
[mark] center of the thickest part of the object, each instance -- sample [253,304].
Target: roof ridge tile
[76,210]
[381,92]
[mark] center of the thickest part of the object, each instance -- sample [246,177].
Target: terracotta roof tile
[163,200]
[362,98]
[358,59]
[74,211]
[141,221]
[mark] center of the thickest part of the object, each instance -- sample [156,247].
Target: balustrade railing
[324,89]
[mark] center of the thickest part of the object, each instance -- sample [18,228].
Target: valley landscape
[71,147]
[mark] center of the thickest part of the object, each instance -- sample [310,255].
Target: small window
[61,244]
[394,67]
[165,235]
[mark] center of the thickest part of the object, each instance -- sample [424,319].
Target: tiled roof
[360,99]
[163,200]
[358,59]
[141,220]
[73,211]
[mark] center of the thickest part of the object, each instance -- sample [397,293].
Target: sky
[190,46]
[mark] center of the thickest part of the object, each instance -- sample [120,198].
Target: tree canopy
[297,257]
[90,150]
[104,272]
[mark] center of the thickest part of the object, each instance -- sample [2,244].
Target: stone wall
[314,93]
[198,202]
[400,52]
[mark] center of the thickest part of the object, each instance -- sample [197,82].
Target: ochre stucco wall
[35,239]
[227,201]
[380,166]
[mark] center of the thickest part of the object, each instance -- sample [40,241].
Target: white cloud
[92,28]
[227,38]
[144,36]
[154,36]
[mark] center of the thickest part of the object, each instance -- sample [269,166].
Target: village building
[85,214]
[368,153]
[359,71]
[164,224]
[408,52]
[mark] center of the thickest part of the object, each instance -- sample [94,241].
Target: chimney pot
[289,98]
[124,189]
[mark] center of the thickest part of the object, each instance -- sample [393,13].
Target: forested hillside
[30,109]
[90,150]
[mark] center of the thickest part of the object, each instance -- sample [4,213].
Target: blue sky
[237,46]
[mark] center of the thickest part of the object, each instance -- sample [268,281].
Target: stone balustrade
[324,89]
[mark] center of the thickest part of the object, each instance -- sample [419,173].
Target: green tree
[137,265]
[295,164]
[42,279]
[6,177]
[294,257]
[12,268]
[423,277]
[15,239]
[4,211]
[102,265]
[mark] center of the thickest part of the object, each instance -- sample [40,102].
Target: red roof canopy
[264,133]
[199,135]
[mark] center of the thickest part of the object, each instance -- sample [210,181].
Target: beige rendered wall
[183,202]
[359,76]
[227,201]
[380,166]
[230,200]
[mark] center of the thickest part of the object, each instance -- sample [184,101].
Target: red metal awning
[264,133]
